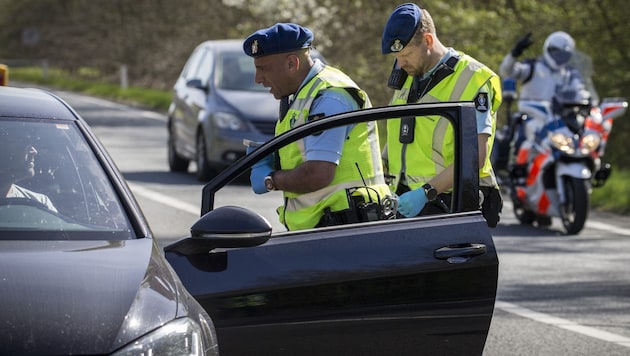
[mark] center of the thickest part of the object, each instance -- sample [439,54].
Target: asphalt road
[558,295]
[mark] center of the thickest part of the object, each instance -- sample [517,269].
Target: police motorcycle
[564,163]
[600,119]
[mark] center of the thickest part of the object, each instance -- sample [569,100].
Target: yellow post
[4,75]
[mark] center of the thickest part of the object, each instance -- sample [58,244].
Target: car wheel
[176,163]
[205,171]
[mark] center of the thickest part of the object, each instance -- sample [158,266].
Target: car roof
[227,44]
[32,103]
[237,45]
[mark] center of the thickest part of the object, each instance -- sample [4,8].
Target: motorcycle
[564,162]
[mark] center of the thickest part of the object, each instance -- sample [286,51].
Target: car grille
[266,127]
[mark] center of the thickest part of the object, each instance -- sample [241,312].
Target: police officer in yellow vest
[316,174]
[420,152]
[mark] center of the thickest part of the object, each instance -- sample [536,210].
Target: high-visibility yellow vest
[302,211]
[432,149]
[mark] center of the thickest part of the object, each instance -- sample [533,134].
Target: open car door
[424,285]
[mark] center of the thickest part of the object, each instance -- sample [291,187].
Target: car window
[191,63]
[203,70]
[239,193]
[198,66]
[52,182]
[236,71]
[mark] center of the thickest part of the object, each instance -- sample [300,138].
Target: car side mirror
[224,227]
[197,84]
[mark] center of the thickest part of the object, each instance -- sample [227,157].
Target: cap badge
[397,46]
[255,47]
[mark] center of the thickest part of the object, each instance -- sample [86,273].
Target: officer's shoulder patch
[315,117]
[481,102]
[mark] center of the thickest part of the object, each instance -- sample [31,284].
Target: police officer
[420,152]
[315,172]
[541,79]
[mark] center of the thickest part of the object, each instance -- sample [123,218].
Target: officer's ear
[293,62]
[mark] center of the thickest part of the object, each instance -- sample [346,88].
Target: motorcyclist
[541,80]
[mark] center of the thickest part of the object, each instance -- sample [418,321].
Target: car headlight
[228,121]
[562,142]
[589,143]
[179,337]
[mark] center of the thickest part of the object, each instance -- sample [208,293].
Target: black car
[424,285]
[81,274]
[80,271]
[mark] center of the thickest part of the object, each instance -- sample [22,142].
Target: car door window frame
[466,171]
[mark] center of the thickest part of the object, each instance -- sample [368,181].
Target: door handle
[462,250]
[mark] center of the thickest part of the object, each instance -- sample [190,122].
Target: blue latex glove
[259,171]
[411,203]
[251,149]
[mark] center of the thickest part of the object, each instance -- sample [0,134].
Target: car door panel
[424,285]
[302,293]
[183,101]
[179,112]
[196,95]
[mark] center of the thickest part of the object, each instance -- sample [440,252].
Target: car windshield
[235,71]
[52,186]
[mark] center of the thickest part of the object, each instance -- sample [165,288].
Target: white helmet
[558,49]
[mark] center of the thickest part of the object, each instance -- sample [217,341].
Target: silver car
[216,104]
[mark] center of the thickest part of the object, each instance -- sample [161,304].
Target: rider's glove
[259,171]
[411,203]
[522,45]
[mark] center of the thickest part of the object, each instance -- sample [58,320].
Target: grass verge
[614,196]
[55,78]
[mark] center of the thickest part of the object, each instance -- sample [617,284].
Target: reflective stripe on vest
[462,85]
[360,158]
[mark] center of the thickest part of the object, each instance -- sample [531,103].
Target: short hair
[426,26]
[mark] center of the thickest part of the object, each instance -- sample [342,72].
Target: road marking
[93,100]
[164,199]
[152,115]
[593,224]
[607,227]
[147,114]
[563,323]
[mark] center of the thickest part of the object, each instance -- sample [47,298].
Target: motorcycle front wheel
[575,210]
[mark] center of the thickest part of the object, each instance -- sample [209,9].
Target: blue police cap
[279,38]
[400,27]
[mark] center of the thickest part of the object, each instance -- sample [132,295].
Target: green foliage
[614,195]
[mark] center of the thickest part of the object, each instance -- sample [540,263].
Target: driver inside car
[17,163]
